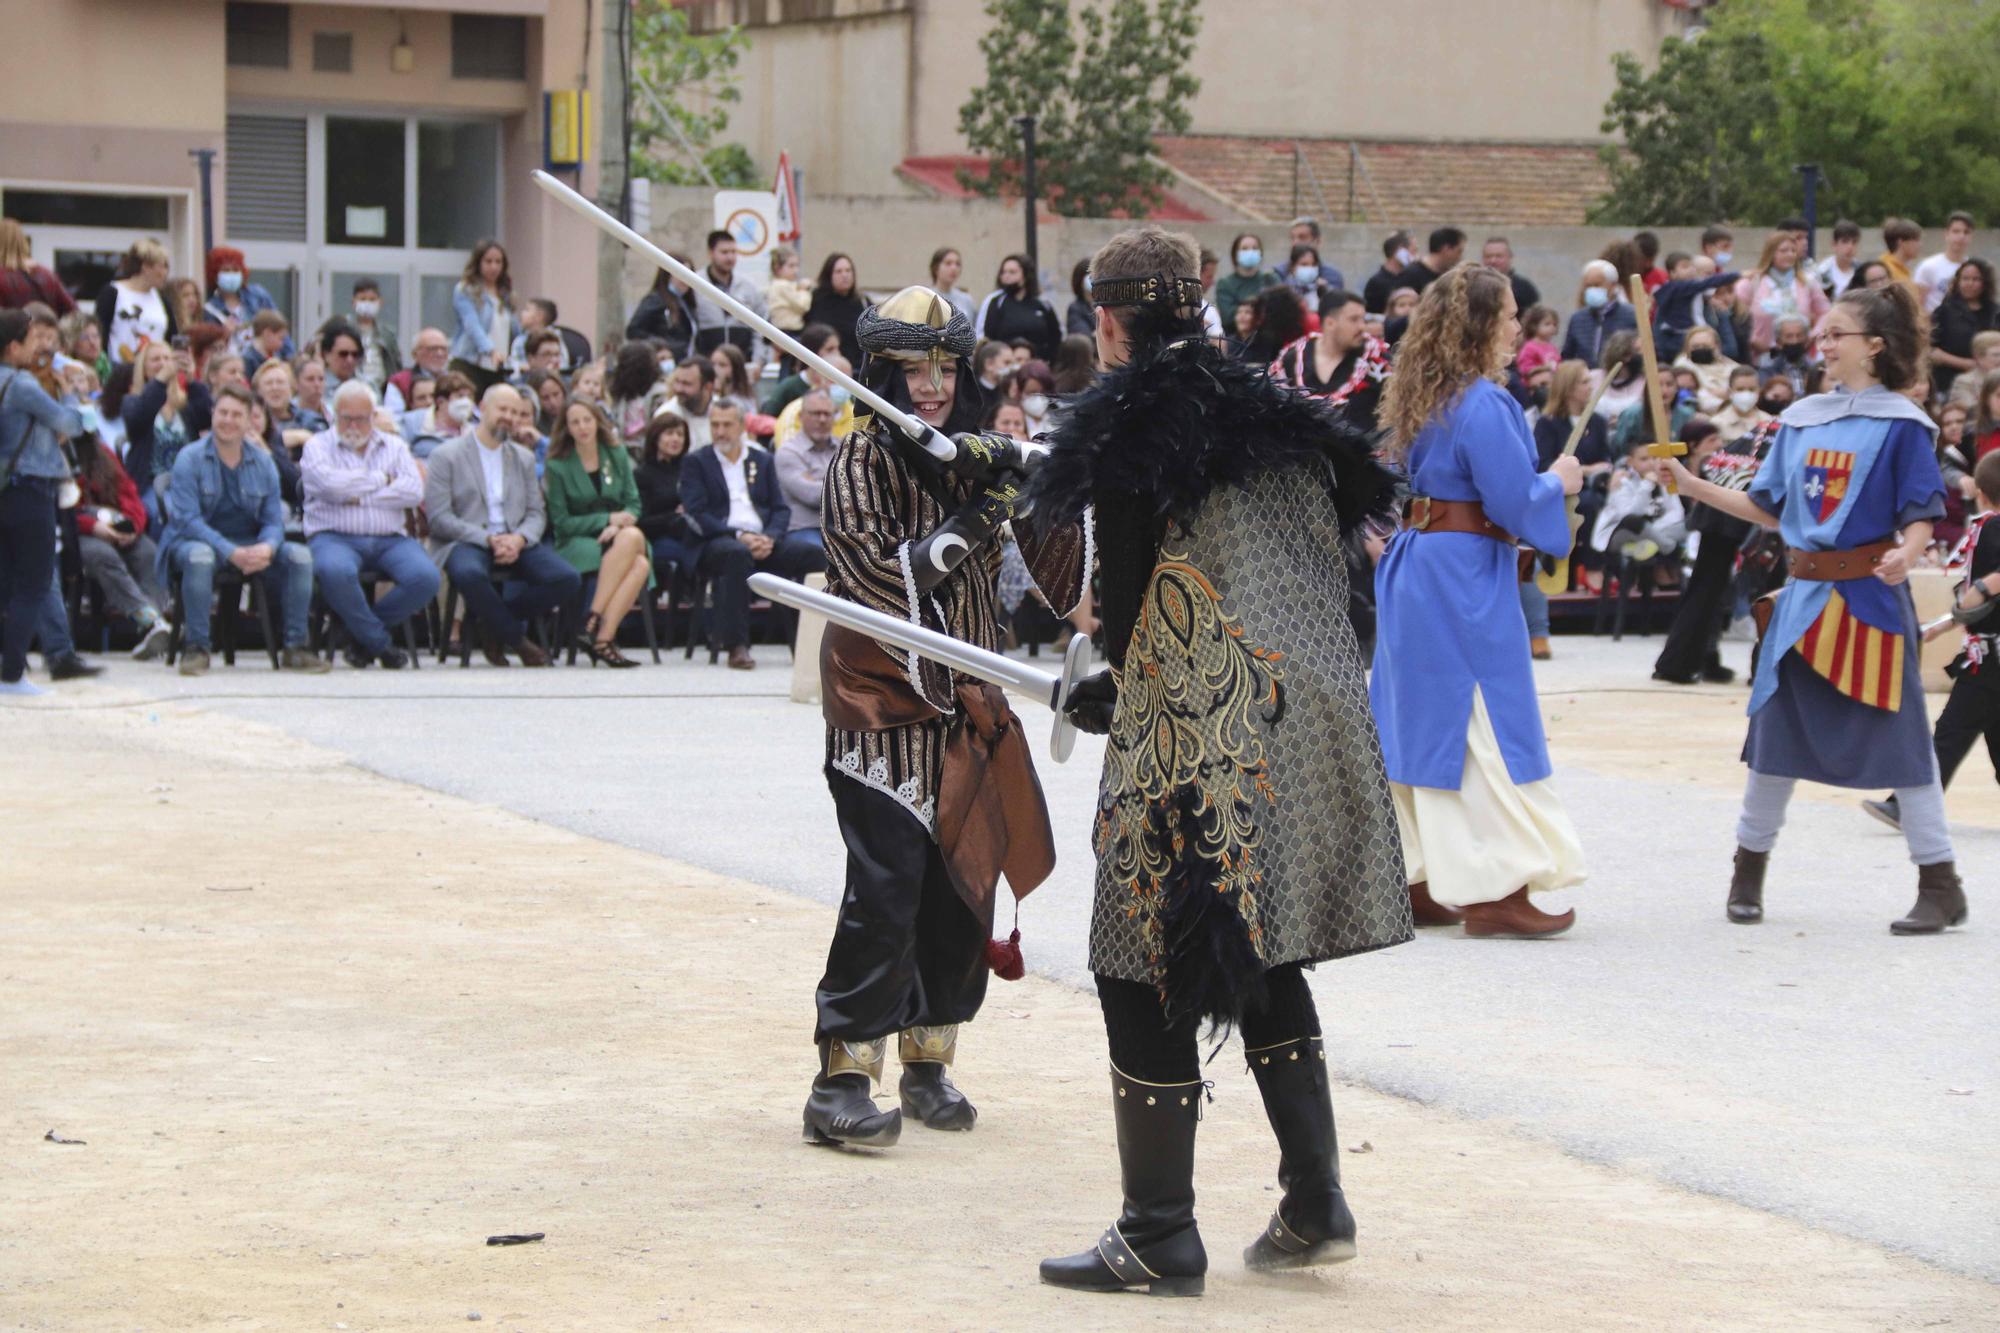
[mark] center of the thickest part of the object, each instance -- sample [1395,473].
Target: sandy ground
[322,1033]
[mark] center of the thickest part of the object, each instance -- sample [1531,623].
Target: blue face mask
[1723,259]
[1249,258]
[412,422]
[839,394]
[1305,275]
[231,281]
[1595,297]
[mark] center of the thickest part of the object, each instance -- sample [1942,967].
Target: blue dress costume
[1836,697]
[1453,686]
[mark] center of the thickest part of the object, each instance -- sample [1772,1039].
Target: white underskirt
[1482,842]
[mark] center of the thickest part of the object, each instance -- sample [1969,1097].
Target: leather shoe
[740,659]
[491,649]
[393,658]
[531,653]
[71,667]
[1514,917]
[1428,911]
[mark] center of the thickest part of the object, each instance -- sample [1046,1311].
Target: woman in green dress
[594,522]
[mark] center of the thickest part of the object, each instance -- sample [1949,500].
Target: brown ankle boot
[1514,917]
[1940,902]
[1746,887]
[1428,911]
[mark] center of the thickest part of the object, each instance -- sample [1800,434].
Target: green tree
[1891,99]
[683,84]
[1101,82]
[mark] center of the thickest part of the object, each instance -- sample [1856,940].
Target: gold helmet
[916,324]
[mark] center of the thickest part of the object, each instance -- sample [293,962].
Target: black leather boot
[840,1111]
[1153,1246]
[1746,887]
[1940,902]
[927,1091]
[1312,1224]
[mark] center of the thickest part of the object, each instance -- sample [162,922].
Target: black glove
[986,455]
[1092,703]
[934,558]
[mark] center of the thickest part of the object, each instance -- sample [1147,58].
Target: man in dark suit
[731,495]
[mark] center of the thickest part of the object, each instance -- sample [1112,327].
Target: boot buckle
[1123,1261]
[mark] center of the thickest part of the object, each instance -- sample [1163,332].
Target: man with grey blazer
[486,516]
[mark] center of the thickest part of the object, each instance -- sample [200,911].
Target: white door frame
[180,239]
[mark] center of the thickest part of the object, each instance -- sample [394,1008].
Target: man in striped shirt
[360,485]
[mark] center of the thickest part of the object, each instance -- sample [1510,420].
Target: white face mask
[459,410]
[1743,399]
[367,309]
[1035,404]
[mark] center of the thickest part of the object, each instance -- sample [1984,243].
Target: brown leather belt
[1838,566]
[1423,514]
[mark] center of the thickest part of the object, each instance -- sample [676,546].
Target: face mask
[1702,356]
[840,394]
[459,410]
[1774,405]
[1539,395]
[1403,256]
[367,309]
[1743,400]
[1793,351]
[1249,258]
[1723,259]
[232,281]
[1306,274]
[1595,297]
[413,422]
[1035,404]
[666,365]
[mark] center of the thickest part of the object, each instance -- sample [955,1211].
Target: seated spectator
[1034,388]
[430,355]
[1701,355]
[638,388]
[1075,365]
[273,386]
[1570,390]
[1402,305]
[692,398]
[117,553]
[666,315]
[1641,518]
[340,349]
[1955,465]
[360,484]
[543,351]
[837,303]
[1985,360]
[732,377]
[487,519]
[132,309]
[1966,310]
[223,504]
[1539,324]
[161,415]
[816,338]
[1740,413]
[544,391]
[1986,417]
[225,368]
[1792,355]
[448,415]
[1776,395]
[787,297]
[661,516]
[111,409]
[594,510]
[1280,321]
[83,340]
[588,384]
[538,315]
[732,497]
[381,359]
[1601,312]
[842,398]
[802,461]
[484,322]
[1636,422]
[270,335]
[1015,309]
[309,401]
[267,437]
[1534,370]
[991,366]
[233,300]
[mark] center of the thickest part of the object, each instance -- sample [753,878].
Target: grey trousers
[129,575]
[1920,810]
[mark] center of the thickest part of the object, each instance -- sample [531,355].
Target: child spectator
[1641,518]
[1675,301]
[1986,428]
[1985,360]
[269,332]
[787,297]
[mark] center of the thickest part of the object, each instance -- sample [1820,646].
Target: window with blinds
[265,166]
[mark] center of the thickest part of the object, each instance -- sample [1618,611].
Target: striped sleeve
[862,521]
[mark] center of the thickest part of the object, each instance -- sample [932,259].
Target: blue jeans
[1535,606]
[289,580]
[27,561]
[53,631]
[341,560]
[538,582]
[673,549]
[810,536]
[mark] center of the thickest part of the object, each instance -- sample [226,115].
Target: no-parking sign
[751,216]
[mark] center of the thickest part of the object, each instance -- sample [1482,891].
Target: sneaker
[304,660]
[1641,551]
[152,643]
[71,667]
[22,688]
[1886,811]
[194,662]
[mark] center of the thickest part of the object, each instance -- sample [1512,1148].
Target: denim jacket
[35,425]
[197,487]
[473,338]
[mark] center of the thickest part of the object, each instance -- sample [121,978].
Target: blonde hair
[1453,339]
[1562,388]
[14,251]
[147,251]
[1771,244]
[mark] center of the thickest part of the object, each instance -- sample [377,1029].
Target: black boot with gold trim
[926,1088]
[1312,1224]
[1154,1245]
[841,1110]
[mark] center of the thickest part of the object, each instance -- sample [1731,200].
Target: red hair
[222,257]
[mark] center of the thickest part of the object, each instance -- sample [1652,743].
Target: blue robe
[1837,484]
[1448,609]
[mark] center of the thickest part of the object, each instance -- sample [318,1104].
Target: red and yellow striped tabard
[1862,662]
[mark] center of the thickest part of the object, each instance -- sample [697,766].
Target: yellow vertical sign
[566,114]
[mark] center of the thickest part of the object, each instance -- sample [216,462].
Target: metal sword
[968,659]
[934,442]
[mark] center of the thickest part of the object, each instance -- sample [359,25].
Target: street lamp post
[1028,189]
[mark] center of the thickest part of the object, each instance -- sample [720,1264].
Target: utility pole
[613,168]
[1029,190]
[205,159]
[1811,172]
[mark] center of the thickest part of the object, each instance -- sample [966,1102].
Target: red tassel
[1004,957]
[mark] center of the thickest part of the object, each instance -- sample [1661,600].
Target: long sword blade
[933,441]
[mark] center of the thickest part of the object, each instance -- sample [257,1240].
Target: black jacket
[660,513]
[1003,318]
[839,313]
[667,318]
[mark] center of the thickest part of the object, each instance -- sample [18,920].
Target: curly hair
[1453,339]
